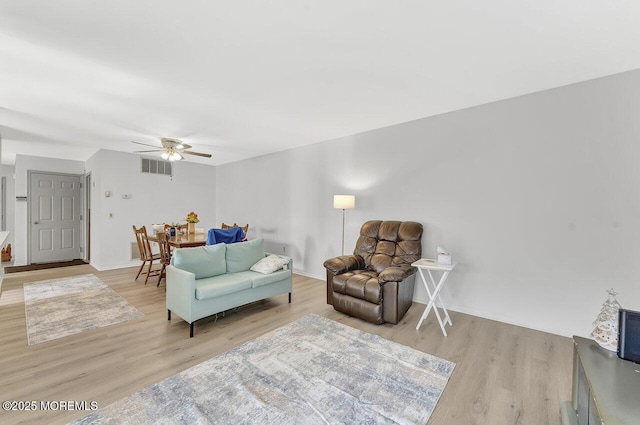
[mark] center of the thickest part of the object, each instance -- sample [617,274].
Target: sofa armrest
[396,273]
[290,265]
[344,263]
[181,292]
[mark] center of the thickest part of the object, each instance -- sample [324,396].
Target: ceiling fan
[172,149]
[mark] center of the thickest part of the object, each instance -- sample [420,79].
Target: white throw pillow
[269,264]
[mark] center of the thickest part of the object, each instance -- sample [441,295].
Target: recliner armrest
[344,263]
[396,273]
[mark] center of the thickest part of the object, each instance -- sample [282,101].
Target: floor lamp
[344,202]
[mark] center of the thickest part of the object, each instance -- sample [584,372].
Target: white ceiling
[243,78]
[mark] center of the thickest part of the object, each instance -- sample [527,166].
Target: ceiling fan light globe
[165,155]
[175,157]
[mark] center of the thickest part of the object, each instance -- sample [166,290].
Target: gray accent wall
[536,197]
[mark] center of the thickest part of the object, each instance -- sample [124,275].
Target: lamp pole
[343,231]
[344,202]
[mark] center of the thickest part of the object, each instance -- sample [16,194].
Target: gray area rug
[311,371]
[61,307]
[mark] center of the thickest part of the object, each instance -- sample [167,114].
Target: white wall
[537,197]
[154,199]
[8,171]
[24,164]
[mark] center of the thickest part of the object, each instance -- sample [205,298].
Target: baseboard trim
[472,312]
[311,275]
[43,266]
[498,318]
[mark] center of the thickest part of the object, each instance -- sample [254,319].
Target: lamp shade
[344,202]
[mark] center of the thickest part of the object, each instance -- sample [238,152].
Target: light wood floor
[504,374]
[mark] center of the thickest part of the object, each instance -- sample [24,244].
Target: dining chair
[165,254]
[245,229]
[146,255]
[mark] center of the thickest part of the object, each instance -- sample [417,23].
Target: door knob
[36,222]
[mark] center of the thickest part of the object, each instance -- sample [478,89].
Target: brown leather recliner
[376,282]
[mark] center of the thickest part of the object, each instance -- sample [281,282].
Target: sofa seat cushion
[203,261]
[242,255]
[361,284]
[259,279]
[218,286]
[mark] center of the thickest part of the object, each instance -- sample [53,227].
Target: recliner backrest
[389,243]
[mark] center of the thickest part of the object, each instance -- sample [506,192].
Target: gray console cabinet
[606,389]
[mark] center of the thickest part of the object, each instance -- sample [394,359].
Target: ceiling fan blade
[206,155]
[170,142]
[146,144]
[155,150]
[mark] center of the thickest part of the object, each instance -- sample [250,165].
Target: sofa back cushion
[203,261]
[242,255]
[385,243]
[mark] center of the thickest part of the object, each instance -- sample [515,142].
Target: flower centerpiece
[192,219]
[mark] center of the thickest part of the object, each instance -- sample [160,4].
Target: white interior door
[54,217]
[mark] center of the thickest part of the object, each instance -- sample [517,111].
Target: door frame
[3,211]
[29,200]
[86,239]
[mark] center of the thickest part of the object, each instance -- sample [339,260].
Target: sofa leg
[168,314]
[191,330]
[289,297]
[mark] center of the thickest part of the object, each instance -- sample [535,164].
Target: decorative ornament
[606,324]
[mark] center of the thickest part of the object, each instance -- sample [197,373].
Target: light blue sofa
[210,279]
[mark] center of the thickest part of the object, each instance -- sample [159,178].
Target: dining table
[183,240]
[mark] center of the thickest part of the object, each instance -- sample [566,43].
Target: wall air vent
[155,166]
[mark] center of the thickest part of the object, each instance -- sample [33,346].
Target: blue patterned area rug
[311,371]
[61,307]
